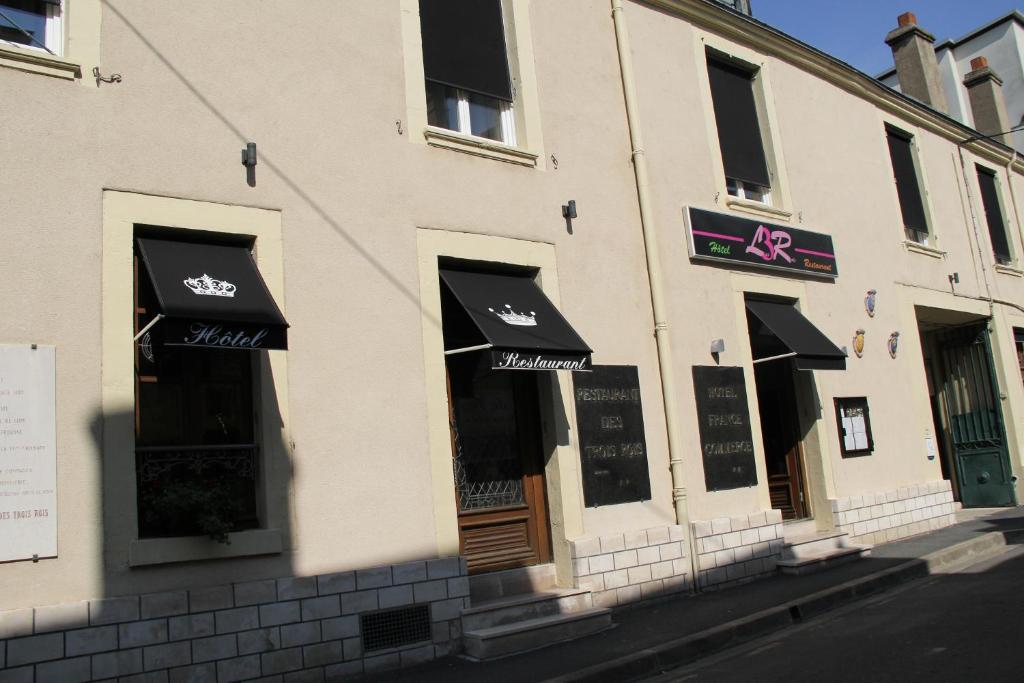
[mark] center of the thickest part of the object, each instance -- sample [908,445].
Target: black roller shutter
[739,133]
[993,214]
[907,187]
[464,46]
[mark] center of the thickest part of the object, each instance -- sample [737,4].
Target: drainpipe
[1013,196]
[661,336]
[977,233]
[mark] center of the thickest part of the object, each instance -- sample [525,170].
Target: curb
[681,651]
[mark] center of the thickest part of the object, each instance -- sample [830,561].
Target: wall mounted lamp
[954,278]
[568,213]
[249,161]
[717,345]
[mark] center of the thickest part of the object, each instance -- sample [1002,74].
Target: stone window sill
[1006,269]
[151,551]
[924,249]
[37,61]
[757,208]
[467,144]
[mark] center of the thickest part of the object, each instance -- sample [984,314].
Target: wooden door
[780,433]
[499,475]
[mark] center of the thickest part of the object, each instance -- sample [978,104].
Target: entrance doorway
[780,423]
[966,410]
[498,465]
[780,434]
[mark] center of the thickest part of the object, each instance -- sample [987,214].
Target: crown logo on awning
[513,318]
[207,286]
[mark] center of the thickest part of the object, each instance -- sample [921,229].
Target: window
[195,434]
[994,215]
[739,130]
[33,24]
[908,187]
[854,422]
[465,63]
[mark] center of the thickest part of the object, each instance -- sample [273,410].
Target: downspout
[661,335]
[977,234]
[1013,195]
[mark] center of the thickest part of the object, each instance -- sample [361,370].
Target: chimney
[916,66]
[985,91]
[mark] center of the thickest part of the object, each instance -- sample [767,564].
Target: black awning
[811,349]
[211,295]
[520,326]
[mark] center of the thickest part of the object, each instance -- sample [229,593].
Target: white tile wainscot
[631,566]
[308,625]
[906,511]
[732,550]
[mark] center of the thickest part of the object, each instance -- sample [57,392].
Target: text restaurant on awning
[796,337]
[511,317]
[210,296]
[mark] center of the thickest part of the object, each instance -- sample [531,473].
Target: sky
[854,30]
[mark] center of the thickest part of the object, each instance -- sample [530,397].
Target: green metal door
[971,396]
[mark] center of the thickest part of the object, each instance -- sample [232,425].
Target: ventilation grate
[395,627]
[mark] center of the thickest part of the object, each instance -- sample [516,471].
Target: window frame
[776,203]
[506,113]
[751,72]
[925,238]
[840,402]
[80,24]
[53,37]
[527,147]
[122,212]
[1010,256]
[191,388]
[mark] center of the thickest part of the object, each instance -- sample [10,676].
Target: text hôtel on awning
[511,317]
[211,296]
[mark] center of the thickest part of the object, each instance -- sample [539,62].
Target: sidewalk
[654,636]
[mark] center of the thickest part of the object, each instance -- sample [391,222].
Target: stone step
[532,634]
[509,582]
[810,564]
[491,613]
[811,545]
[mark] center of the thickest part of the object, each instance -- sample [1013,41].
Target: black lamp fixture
[249,161]
[568,213]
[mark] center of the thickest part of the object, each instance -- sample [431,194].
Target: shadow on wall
[186,511]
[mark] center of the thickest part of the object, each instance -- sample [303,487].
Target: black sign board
[724,419]
[610,424]
[720,237]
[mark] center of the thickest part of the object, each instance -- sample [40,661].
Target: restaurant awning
[211,295]
[511,317]
[811,349]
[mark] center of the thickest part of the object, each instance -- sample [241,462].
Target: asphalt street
[961,626]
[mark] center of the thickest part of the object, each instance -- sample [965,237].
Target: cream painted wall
[322,100]
[838,178]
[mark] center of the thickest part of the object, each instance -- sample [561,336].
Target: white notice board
[28,452]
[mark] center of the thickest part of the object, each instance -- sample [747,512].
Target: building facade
[1001,43]
[313,350]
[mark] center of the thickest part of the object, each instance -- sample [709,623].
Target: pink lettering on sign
[770,244]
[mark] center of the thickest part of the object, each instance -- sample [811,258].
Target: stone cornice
[762,38]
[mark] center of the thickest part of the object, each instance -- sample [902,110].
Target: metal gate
[971,396]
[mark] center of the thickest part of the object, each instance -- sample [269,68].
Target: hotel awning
[511,317]
[811,349]
[211,295]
